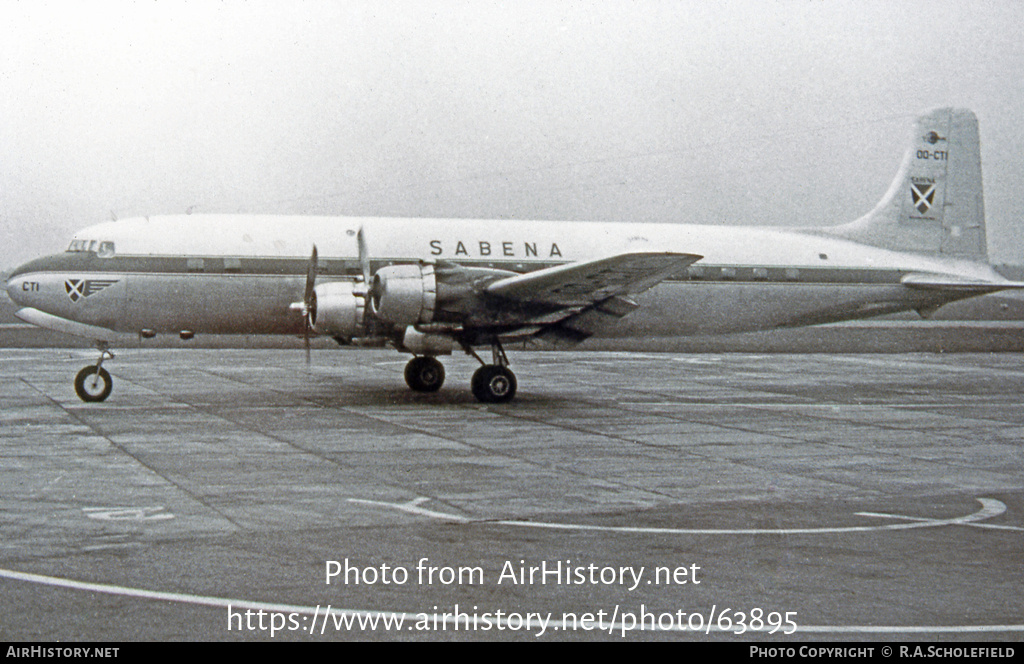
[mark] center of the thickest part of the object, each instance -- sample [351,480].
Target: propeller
[309,302]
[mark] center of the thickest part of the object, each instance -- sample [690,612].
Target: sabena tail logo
[923,196]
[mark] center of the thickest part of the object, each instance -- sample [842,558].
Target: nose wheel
[93,383]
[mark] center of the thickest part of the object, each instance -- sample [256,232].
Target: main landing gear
[93,383]
[495,382]
[424,374]
[491,383]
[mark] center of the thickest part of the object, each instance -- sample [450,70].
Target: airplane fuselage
[222,274]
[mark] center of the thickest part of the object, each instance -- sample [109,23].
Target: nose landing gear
[93,383]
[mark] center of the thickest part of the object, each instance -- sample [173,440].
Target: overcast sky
[752,112]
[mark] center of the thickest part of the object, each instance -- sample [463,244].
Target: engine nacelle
[338,309]
[404,294]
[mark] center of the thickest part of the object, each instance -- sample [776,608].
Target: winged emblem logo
[79,288]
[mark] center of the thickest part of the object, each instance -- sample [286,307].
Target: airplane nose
[9,287]
[16,288]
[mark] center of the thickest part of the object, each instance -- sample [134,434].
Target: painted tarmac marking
[963,521]
[520,625]
[413,507]
[154,513]
[989,508]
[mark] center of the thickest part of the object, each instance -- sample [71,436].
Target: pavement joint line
[425,430]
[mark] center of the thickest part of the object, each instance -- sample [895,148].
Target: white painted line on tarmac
[439,622]
[154,513]
[963,521]
[989,508]
[413,507]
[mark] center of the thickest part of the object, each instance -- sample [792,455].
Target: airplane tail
[935,205]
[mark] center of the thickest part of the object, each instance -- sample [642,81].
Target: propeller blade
[364,255]
[310,279]
[309,301]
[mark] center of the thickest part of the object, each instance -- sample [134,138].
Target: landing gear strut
[424,374]
[493,383]
[93,383]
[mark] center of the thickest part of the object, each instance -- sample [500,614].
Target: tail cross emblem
[923,195]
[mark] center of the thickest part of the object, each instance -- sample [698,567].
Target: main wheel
[424,374]
[493,383]
[93,385]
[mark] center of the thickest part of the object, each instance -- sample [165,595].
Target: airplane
[425,286]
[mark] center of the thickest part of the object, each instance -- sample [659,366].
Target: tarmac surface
[706,497]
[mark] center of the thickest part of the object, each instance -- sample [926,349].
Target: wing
[568,303]
[581,284]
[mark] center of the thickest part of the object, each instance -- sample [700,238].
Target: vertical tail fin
[935,205]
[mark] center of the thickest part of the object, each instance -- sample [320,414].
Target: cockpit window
[103,249]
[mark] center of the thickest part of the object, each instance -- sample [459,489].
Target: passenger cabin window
[195,265]
[233,265]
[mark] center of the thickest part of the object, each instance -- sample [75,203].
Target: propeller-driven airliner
[428,286]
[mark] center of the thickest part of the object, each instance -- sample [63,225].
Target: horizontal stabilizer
[951,282]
